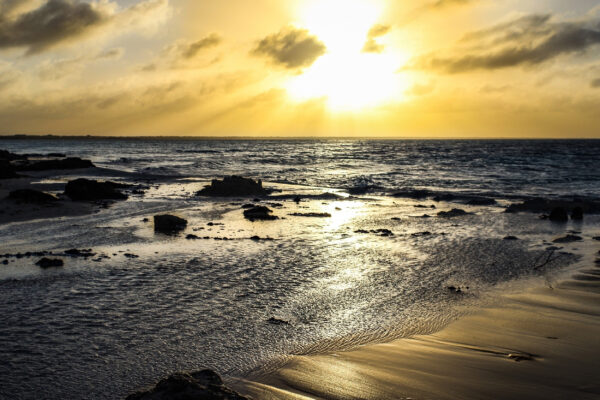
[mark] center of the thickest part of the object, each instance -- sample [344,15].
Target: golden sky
[423,68]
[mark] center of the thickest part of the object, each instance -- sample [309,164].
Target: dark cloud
[53,22]
[291,47]
[526,41]
[371,45]
[191,50]
[595,83]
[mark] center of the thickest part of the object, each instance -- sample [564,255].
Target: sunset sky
[430,68]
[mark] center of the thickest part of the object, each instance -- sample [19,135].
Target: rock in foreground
[201,385]
[49,263]
[232,186]
[259,213]
[31,196]
[90,190]
[169,224]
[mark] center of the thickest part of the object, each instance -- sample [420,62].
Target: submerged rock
[558,214]
[232,186]
[455,212]
[90,190]
[311,215]
[169,224]
[511,238]
[259,213]
[50,263]
[31,196]
[568,239]
[577,214]
[277,321]
[201,385]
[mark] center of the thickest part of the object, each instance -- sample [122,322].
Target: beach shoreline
[540,343]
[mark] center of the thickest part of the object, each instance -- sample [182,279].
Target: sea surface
[161,304]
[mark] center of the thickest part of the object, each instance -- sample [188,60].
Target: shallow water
[104,329]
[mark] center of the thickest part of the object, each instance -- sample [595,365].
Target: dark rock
[8,156]
[192,237]
[7,171]
[5,262]
[45,165]
[31,196]
[455,212]
[169,224]
[383,232]
[277,321]
[420,234]
[558,214]
[577,214]
[131,256]
[146,220]
[481,201]
[297,199]
[80,253]
[249,205]
[511,238]
[596,238]
[201,385]
[312,215]
[545,205]
[90,190]
[568,239]
[49,263]
[361,231]
[232,186]
[259,213]
[455,289]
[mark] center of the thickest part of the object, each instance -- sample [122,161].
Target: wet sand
[539,344]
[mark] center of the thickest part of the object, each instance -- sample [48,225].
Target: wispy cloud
[291,47]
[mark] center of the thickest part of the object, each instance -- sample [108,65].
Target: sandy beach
[538,344]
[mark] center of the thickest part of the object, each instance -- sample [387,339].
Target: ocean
[156,304]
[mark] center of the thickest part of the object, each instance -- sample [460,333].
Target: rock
[8,156]
[45,165]
[7,171]
[131,256]
[259,213]
[31,196]
[568,239]
[545,205]
[277,321]
[169,224]
[383,232]
[311,215]
[232,186]
[80,253]
[90,190]
[192,237]
[205,384]
[415,194]
[297,199]
[421,234]
[455,212]
[511,238]
[49,263]
[249,205]
[5,262]
[481,201]
[558,214]
[596,238]
[577,214]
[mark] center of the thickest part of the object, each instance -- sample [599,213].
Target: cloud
[191,50]
[595,83]
[291,47]
[525,41]
[52,70]
[449,3]
[371,45]
[56,22]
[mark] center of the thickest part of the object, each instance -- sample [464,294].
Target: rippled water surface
[104,329]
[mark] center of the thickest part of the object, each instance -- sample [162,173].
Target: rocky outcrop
[50,263]
[201,385]
[7,171]
[559,214]
[169,224]
[46,165]
[546,206]
[90,190]
[31,196]
[259,213]
[234,186]
[455,212]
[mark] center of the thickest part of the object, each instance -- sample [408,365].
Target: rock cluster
[234,186]
[91,190]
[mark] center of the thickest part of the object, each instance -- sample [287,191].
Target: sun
[345,76]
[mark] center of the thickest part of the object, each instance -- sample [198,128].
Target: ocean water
[508,168]
[104,329]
